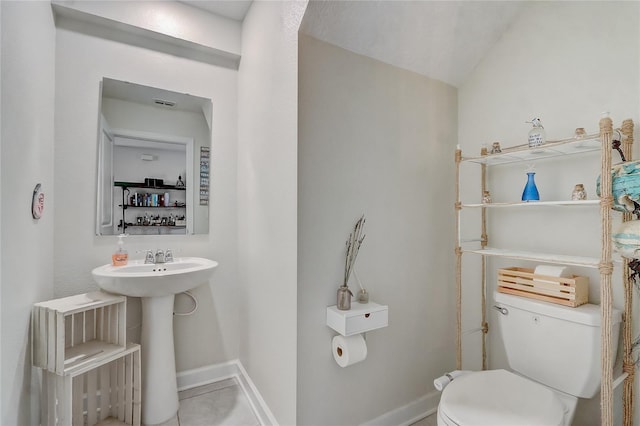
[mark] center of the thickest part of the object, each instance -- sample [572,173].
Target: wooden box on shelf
[564,291]
[75,331]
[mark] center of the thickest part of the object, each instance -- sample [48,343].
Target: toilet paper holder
[350,346]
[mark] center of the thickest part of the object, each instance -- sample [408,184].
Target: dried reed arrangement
[353,246]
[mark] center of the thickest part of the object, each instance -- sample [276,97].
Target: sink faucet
[159,256]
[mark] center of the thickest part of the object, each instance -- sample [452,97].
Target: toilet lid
[500,398]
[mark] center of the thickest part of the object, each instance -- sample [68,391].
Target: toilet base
[441,420]
[565,404]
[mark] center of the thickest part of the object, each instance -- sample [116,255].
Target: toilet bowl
[554,352]
[502,398]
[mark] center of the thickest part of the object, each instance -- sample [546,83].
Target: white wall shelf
[558,259]
[550,149]
[533,204]
[362,317]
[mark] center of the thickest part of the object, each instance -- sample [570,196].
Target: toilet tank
[555,345]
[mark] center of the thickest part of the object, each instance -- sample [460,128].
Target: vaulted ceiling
[444,40]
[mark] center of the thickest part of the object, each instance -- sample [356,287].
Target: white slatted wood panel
[137,389]
[122,324]
[105,394]
[40,338]
[44,398]
[51,403]
[99,324]
[51,339]
[92,397]
[65,403]
[72,331]
[109,324]
[121,389]
[77,400]
[113,385]
[128,390]
[59,343]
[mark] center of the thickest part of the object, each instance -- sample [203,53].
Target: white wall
[81,62]
[168,164]
[27,58]
[1,180]
[267,147]
[564,62]
[374,140]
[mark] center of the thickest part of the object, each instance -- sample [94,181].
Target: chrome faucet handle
[149,257]
[168,256]
[160,256]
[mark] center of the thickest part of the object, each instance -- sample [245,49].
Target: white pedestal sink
[157,285]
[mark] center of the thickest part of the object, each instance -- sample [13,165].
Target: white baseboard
[402,416]
[232,369]
[410,413]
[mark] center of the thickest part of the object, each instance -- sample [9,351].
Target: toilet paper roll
[551,271]
[349,350]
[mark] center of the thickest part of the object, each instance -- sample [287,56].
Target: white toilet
[555,353]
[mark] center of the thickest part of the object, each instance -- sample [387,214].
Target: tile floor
[225,404]
[427,421]
[218,404]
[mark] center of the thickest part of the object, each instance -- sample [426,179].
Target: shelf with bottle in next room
[143,186]
[129,206]
[157,226]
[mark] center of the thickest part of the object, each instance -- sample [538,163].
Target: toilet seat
[499,398]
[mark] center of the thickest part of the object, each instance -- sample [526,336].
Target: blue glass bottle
[530,192]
